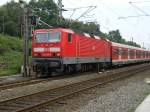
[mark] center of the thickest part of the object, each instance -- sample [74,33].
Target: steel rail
[25,82]
[20,83]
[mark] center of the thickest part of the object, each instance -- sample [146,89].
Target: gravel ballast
[119,96]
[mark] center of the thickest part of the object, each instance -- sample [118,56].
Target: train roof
[71,31]
[127,46]
[56,29]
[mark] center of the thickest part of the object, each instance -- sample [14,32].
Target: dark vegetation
[11,46]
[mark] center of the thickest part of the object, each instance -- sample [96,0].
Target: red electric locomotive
[65,50]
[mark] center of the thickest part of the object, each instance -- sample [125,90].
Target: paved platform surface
[144,106]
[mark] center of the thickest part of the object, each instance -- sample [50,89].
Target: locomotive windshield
[47,37]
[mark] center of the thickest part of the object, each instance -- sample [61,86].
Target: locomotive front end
[46,51]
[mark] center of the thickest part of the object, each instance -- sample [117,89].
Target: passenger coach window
[69,37]
[116,51]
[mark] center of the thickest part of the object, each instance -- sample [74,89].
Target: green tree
[47,10]
[12,15]
[115,36]
[132,43]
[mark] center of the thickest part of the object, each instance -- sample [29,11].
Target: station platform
[144,106]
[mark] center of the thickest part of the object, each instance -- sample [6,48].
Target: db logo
[93,47]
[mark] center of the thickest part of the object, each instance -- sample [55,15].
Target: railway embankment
[10,55]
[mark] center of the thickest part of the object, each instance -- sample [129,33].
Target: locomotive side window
[69,37]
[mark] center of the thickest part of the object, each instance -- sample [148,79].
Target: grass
[131,110]
[10,55]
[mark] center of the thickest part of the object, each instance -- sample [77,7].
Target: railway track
[21,83]
[34,101]
[25,82]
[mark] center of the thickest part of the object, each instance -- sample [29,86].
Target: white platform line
[144,106]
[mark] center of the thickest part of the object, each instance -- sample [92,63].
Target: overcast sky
[107,14]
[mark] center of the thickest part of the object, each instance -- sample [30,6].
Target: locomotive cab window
[69,38]
[46,37]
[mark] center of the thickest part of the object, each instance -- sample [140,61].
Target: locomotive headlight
[55,49]
[58,54]
[35,54]
[39,49]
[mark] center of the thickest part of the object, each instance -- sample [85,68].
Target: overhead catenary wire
[125,17]
[145,13]
[87,11]
[72,13]
[116,13]
[140,1]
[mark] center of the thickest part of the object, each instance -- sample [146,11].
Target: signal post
[25,69]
